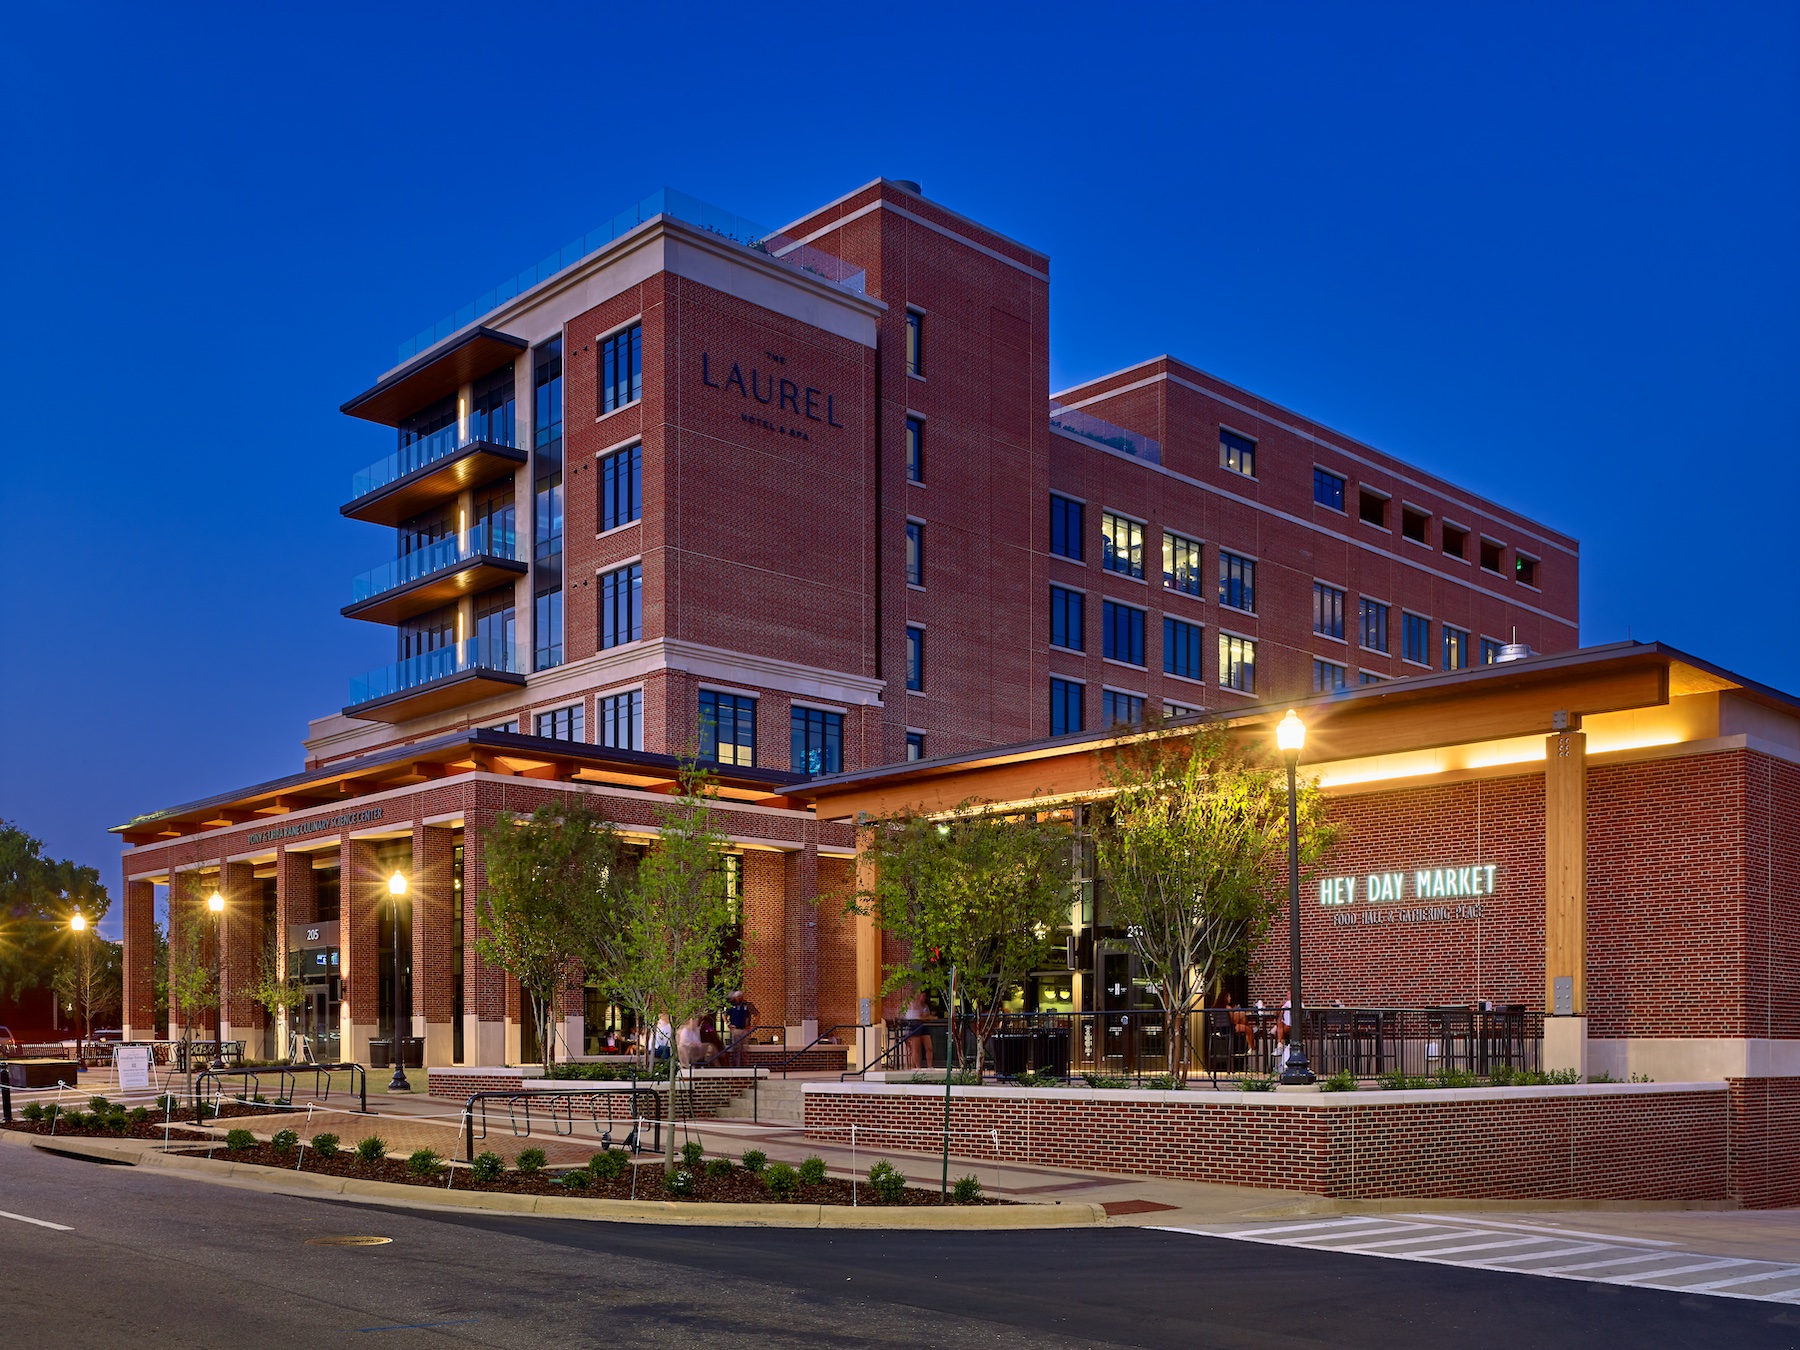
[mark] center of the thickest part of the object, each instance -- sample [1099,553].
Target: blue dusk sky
[1544,250]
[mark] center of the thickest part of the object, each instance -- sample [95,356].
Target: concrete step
[774,1101]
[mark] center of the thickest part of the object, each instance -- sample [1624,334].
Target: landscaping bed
[145,1129]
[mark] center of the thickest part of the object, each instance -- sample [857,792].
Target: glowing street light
[1290,737]
[78,922]
[398,1083]
[216,903]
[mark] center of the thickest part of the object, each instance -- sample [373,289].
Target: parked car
[8,1046]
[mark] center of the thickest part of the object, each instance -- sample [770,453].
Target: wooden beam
[1565,868]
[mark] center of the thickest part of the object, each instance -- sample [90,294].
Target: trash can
[412,1048]
[1011,1053]
[1053,1051]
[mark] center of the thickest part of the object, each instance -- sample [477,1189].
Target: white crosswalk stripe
[1527,1249]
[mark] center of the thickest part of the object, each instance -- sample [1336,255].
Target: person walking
[740,1018]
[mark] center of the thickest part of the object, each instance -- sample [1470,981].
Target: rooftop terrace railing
[1101,432]
[480,542]
[474,653]
[664,202]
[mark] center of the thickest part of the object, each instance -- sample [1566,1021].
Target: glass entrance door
[316,1019]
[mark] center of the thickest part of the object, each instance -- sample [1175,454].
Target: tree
[37,897]
[89,981]
[1191,844]
[671,954]
[551,883]
[977,892]
[279,994]
[191,988]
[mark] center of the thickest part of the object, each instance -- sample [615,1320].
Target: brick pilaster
[765,934]
[139,1013]
[802,930]
[240,930]
[433,897]
[362,890]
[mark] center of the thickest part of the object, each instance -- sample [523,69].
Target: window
[915,745]
[727,728]
[1490,555]
[1372,509]
[622,488]
[622,606]
[1525,570]
[1122,544]
[1412,524]
[1374,622]
[1328,489]
[915,658]
[496,629]
[1181,564]
[1118,709]
[492,409]
[1178,710]
[1181,648]
[1237,453]
[1237,663]
[547,629]
[1122,633]
[496,519]
[562,724]
[818,738]
[915,342]
[1065,528]
[1065,707]
[1237,582]
[1490,650]
[915,553]
[622,368]
[1415,643]
[1456,648]
[1067,612]
[1328,677]
[622,720]
[511,727]
[1455,541]
[915,450]
[1328,611]
[547,492]
[1370,677]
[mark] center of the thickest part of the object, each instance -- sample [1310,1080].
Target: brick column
[1565,899]
[433,894]
[765,934]
[484,984]
[296,902]
[240,929]
[139,1013]
[802,928]
[362,889]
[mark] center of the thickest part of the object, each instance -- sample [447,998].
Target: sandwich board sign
[133,1063]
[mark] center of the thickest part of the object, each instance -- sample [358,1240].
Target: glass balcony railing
[475,653]
[1102,432]
[429,449]
[666,202]
[482,541]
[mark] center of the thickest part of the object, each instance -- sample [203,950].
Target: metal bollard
[5,1094]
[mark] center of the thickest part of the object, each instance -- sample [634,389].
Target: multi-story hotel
[799,504]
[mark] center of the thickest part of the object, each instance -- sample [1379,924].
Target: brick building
[799,503]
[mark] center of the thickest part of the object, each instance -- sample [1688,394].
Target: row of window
[1068,714]
[1372,508]
[1329,607]
[1122,551]
[1122,637]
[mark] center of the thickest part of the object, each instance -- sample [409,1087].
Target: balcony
[1074,422]
[433,470]
[449,677]
[436,575]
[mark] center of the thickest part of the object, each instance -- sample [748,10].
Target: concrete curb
[273,1181]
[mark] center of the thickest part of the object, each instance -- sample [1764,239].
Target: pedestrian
[740,1016]
[662,1038]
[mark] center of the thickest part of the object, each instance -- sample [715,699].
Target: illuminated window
[1237,453]
[1456,648]
[915,553]
[1122,544]
[1181,564]
[1237,663]
[727,728]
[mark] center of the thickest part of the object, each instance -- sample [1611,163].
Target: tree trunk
[669,1114]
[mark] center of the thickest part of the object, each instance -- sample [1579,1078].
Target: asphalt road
[153,1260]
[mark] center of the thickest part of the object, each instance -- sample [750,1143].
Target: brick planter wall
[1765,1141]
[1648,1142]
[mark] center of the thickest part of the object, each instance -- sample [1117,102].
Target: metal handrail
[815,1042]
[749,1039]
[289,1072]
[551,1097]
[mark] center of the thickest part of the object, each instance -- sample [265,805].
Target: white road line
[1390,1242]
[1610,1261]
[1552,1229]
[41,1223]
[1685,1270]
[1301,1227]
[1425,1233]
[1783,1273]
[1577,1250]
[1436,1252]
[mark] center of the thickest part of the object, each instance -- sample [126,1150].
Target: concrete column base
[1566,1044]
[867,1045]
[483,1042]
[355,1038]
[439,1041]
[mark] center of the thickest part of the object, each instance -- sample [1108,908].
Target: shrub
[718,1167]
[167,1103]
[597,1073]
[966,1190]
[576,1180]
[691,1155]
[1252,1082]
[1454,1078]
[531,1162]
[960,1077]
[371,1150]
[100,1106]
[812,1171]
[1038,1078]
[1102,1080]
[203,1111]
[259,1098]
[678,1182]
[1341,1081]
[239,1139]
[69,1120]
[1164,1082]
[755,1160]
[611,1165]
[781,1179]
[887,1182]
[487,1167]
[325,1145]
[34,1112]
[284,1141]
[1394,1080]
[137,1115]
[424,1162]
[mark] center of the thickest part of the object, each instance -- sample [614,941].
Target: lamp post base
[1297,1072]
[398,1082]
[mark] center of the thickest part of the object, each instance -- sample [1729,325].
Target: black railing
[559,1107]
[287,1075]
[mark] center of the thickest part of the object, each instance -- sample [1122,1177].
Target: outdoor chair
[1454,1031]
[1227,1047]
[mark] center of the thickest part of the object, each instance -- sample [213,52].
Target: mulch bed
[737,1187]
[148,1129]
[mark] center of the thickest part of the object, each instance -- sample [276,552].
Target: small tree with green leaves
[671,953]
[551,882]
[191,987]
[276,991]
[90,979]
[979,892]
[1191,843]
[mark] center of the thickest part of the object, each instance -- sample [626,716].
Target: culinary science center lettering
[1379,889]
[791,405]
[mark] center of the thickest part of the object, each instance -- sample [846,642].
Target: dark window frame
[1122,630]
[621,487]
[620,367]
[1067,521]
[1068,619]
[1184,648]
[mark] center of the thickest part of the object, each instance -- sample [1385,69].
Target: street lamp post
[1290,735]
[216,903]
[78,924]
[398,1083]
